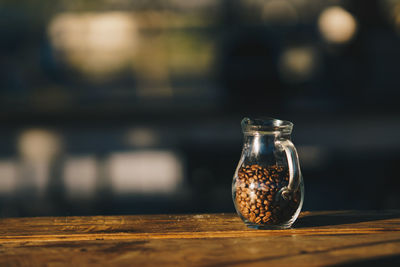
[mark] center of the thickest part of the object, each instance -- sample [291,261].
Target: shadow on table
[393,260]
[386,261]
[343,217]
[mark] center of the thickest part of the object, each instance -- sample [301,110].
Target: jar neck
[255,144]
[266,136]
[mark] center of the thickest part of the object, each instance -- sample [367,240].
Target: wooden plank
[188,226]
[319,239]
[315,250]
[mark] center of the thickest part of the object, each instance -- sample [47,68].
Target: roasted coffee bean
[256,199]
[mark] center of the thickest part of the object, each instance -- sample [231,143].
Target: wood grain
[318,239]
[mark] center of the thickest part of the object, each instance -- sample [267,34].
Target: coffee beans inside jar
[258,198]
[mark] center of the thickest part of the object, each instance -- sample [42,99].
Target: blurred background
[128,107]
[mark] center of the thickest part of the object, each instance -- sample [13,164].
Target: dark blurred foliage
[124,107]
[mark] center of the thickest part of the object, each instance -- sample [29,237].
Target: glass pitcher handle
[294,168]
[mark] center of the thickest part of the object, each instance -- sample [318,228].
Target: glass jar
[267,187]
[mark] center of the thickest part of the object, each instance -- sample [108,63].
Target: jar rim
[265,125]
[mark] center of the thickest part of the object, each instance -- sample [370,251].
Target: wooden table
[319,238]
